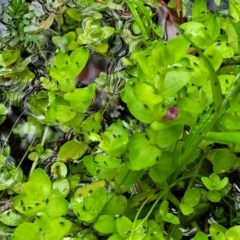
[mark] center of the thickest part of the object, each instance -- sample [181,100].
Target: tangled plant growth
[143,151]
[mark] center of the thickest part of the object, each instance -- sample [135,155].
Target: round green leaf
[197,33]
[38,186]
[217,231]
[186,209]
[124,226]
[114,140]
[169,217]
[59,170]
[163,209]
[116,206]
[21,230]
[224,160]
[71,150]
[52,228]
[233,233]
[56,207]
[200,236]
[191,197]
[88,208]
[140,157]
[105,224]
[62,185]
[214,196]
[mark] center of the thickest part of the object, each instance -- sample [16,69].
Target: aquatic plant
[154,157]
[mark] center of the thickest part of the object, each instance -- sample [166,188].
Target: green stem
[37,157]
[173,200]
[25,154]
[159,198]
[199,165]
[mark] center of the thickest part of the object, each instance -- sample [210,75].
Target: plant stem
[37,157]
[25,154]
[173,200]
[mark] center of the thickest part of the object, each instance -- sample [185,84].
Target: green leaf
[116,237]
[221,184]
[186,209]
[25,205]
[124,226]
[116,206]
[59,170]
[214,196]
[3,109]
[214,55]
[199,8]
[191,197]
[80,57]
[38,186]
[62,186]
[105,224]
[9,57]
[139,110]
[163,209]
[197,33]
[200,236]
[213,25]
[52,228]
[87,208]
[179,46]
[81,94]
[60,113]
[114,140]
[71,150]
[56,206]
[224,161]
[207,183]
[21,230]
[171,83]
[10,177]
[106,161]
[166,165]
[138,157]
[233,233]
[169,217]
[169,136]
[10,218]
[146,94]
[125,178]
[217,231]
